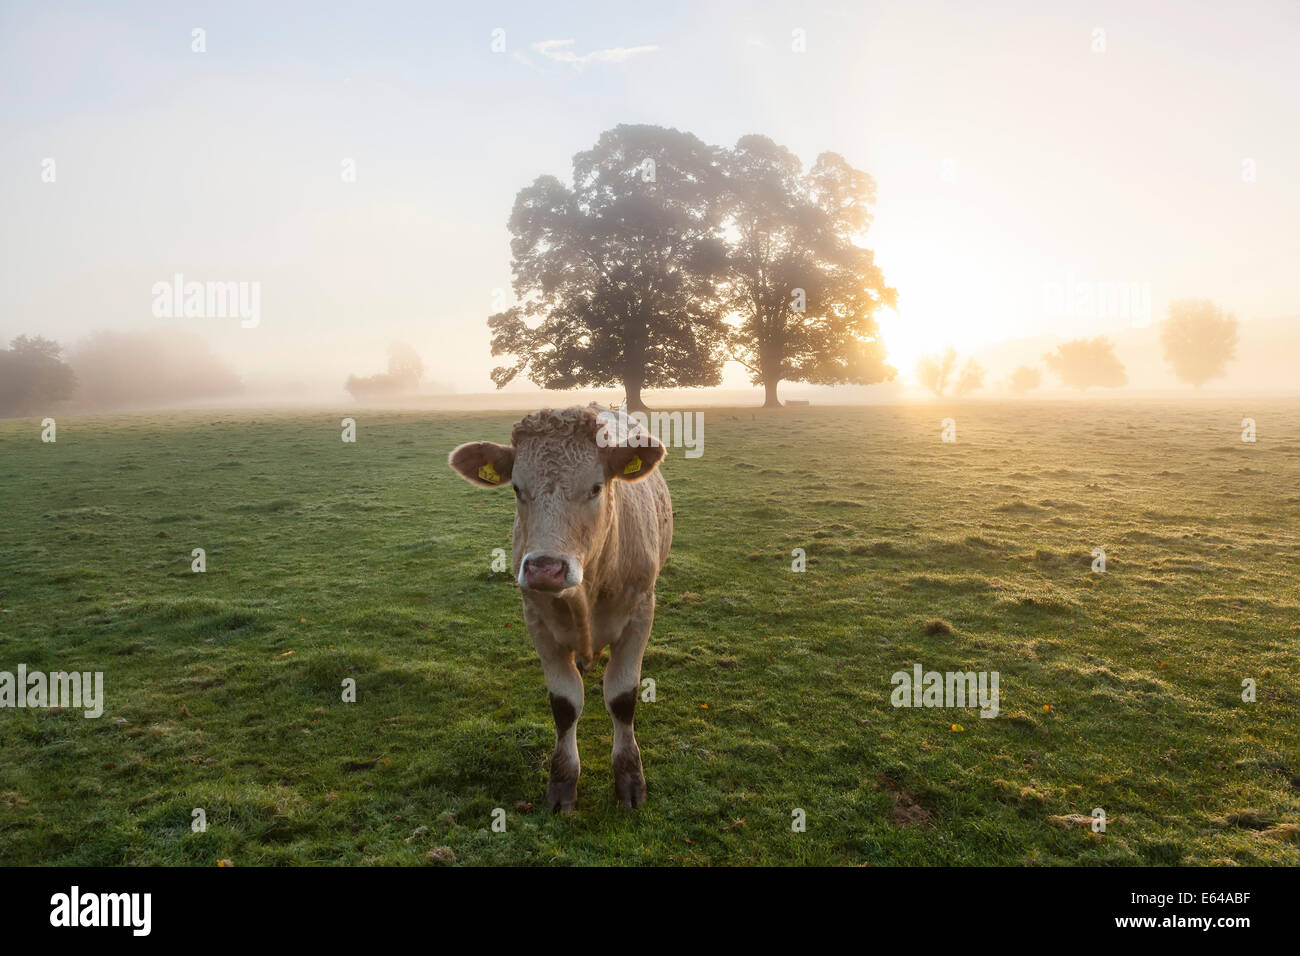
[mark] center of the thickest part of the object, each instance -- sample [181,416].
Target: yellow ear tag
[488,473]
[633,466]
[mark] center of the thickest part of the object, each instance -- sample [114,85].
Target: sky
[1026,155]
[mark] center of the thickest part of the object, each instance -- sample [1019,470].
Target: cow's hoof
[630,790]
[561,795]
[629,780]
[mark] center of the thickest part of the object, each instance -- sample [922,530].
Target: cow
[593,525]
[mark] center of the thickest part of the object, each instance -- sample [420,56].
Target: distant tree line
[1198,340]
[405,369]
[111,370]
[667,256]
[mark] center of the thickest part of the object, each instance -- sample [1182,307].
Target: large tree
[804,290]
[615,276]
[1199,340]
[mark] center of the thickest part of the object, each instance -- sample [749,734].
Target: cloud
[561,52]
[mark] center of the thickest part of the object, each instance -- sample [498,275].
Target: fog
[336,188]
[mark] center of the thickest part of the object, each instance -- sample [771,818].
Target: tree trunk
[634,365]
[632,391]
[769,358]
[769,390]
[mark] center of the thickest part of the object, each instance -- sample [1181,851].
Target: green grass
[371,561]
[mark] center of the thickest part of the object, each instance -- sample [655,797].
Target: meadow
[327,560]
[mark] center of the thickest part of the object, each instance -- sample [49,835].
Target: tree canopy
[149,367]
[1083,363]
[936,373]
[615,275]
[667,256]
[805,291]
[33,377]
[405,370]
[1199,340]
[1024,379]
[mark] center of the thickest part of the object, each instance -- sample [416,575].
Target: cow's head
[563,466]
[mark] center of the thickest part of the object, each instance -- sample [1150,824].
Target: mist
[342,175]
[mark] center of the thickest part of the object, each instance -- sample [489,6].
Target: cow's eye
[595,489]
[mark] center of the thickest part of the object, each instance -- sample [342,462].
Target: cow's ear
[483,463]
[633,461]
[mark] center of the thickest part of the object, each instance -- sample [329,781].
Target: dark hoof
[630,790]
[629,781]
[561,795]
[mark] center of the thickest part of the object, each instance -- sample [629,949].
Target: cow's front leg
[564,686]
[622,684]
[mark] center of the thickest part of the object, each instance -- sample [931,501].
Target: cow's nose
[545,572]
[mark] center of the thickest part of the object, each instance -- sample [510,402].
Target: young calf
[593,524]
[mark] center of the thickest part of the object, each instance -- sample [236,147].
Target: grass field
[371,561]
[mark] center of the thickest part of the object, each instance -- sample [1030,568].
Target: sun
[951,291]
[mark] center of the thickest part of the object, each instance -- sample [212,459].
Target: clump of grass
[937,625]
